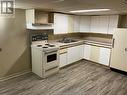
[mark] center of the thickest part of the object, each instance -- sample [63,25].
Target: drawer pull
[125,49]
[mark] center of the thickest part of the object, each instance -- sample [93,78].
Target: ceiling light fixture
[91,10]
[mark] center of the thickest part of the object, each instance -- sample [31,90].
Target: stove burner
[39,45]
[44,47]
[47,44]
[51,45]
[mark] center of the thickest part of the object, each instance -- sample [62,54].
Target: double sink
[67,40]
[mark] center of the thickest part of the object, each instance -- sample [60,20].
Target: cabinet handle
[113,43]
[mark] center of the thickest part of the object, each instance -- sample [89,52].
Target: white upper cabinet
[84,23]
[95,23]
[104,22]
[113,23]
[99,24]
[60,23]
[76,23]
[64,23]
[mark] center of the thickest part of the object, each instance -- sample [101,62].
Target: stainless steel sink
[67,40]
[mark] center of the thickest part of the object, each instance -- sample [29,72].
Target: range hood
[39,18]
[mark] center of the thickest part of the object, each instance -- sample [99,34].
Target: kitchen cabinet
[60,23]
[82,23]
[85,23]
[104,56]
[103,26]
[113,23]
[63,57]
[95,54]
[99,24]
[87,50]
[70,23]
[63,60]
[76,24]
[95,24]
[74,53]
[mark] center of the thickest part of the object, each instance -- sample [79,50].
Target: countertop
[80,42]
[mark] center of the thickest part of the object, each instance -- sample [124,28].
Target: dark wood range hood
[40,17]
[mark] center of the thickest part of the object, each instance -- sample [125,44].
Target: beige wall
[14,56]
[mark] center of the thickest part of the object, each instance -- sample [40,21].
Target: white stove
[45,59]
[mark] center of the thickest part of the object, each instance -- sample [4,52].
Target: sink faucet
[64,38]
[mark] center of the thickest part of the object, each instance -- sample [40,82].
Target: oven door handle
[47,52]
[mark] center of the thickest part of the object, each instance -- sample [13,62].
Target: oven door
[52,59]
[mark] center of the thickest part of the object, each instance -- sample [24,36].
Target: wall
[15,54]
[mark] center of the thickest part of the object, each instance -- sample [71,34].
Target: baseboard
[118,71]
[14,75]
[70,64]
[97,63]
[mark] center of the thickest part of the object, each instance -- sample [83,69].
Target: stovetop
[45,46]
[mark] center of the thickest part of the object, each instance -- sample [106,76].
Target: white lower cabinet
[63,57]
[97,54]
[94,54]
[104,56]
[74,54]
[87,50]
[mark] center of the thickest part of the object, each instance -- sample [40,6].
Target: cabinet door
[95,54]
[60,23]
[99,24]
[95,22]
[104,22]
[104,56]
[85,23]
[63,59]
[113,23]
[75,53]
[70,23]
[87,50]
[76,23]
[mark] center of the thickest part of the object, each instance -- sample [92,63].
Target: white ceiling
[116,6]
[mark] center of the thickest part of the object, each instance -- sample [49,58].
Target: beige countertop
[80,42]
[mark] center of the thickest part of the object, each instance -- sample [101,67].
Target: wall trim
[14,75]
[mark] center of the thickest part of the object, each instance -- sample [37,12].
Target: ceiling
[116,6]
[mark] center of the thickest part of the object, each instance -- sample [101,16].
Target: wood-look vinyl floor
[82,78]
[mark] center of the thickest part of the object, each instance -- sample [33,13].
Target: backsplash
[106,38]
[39,32]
